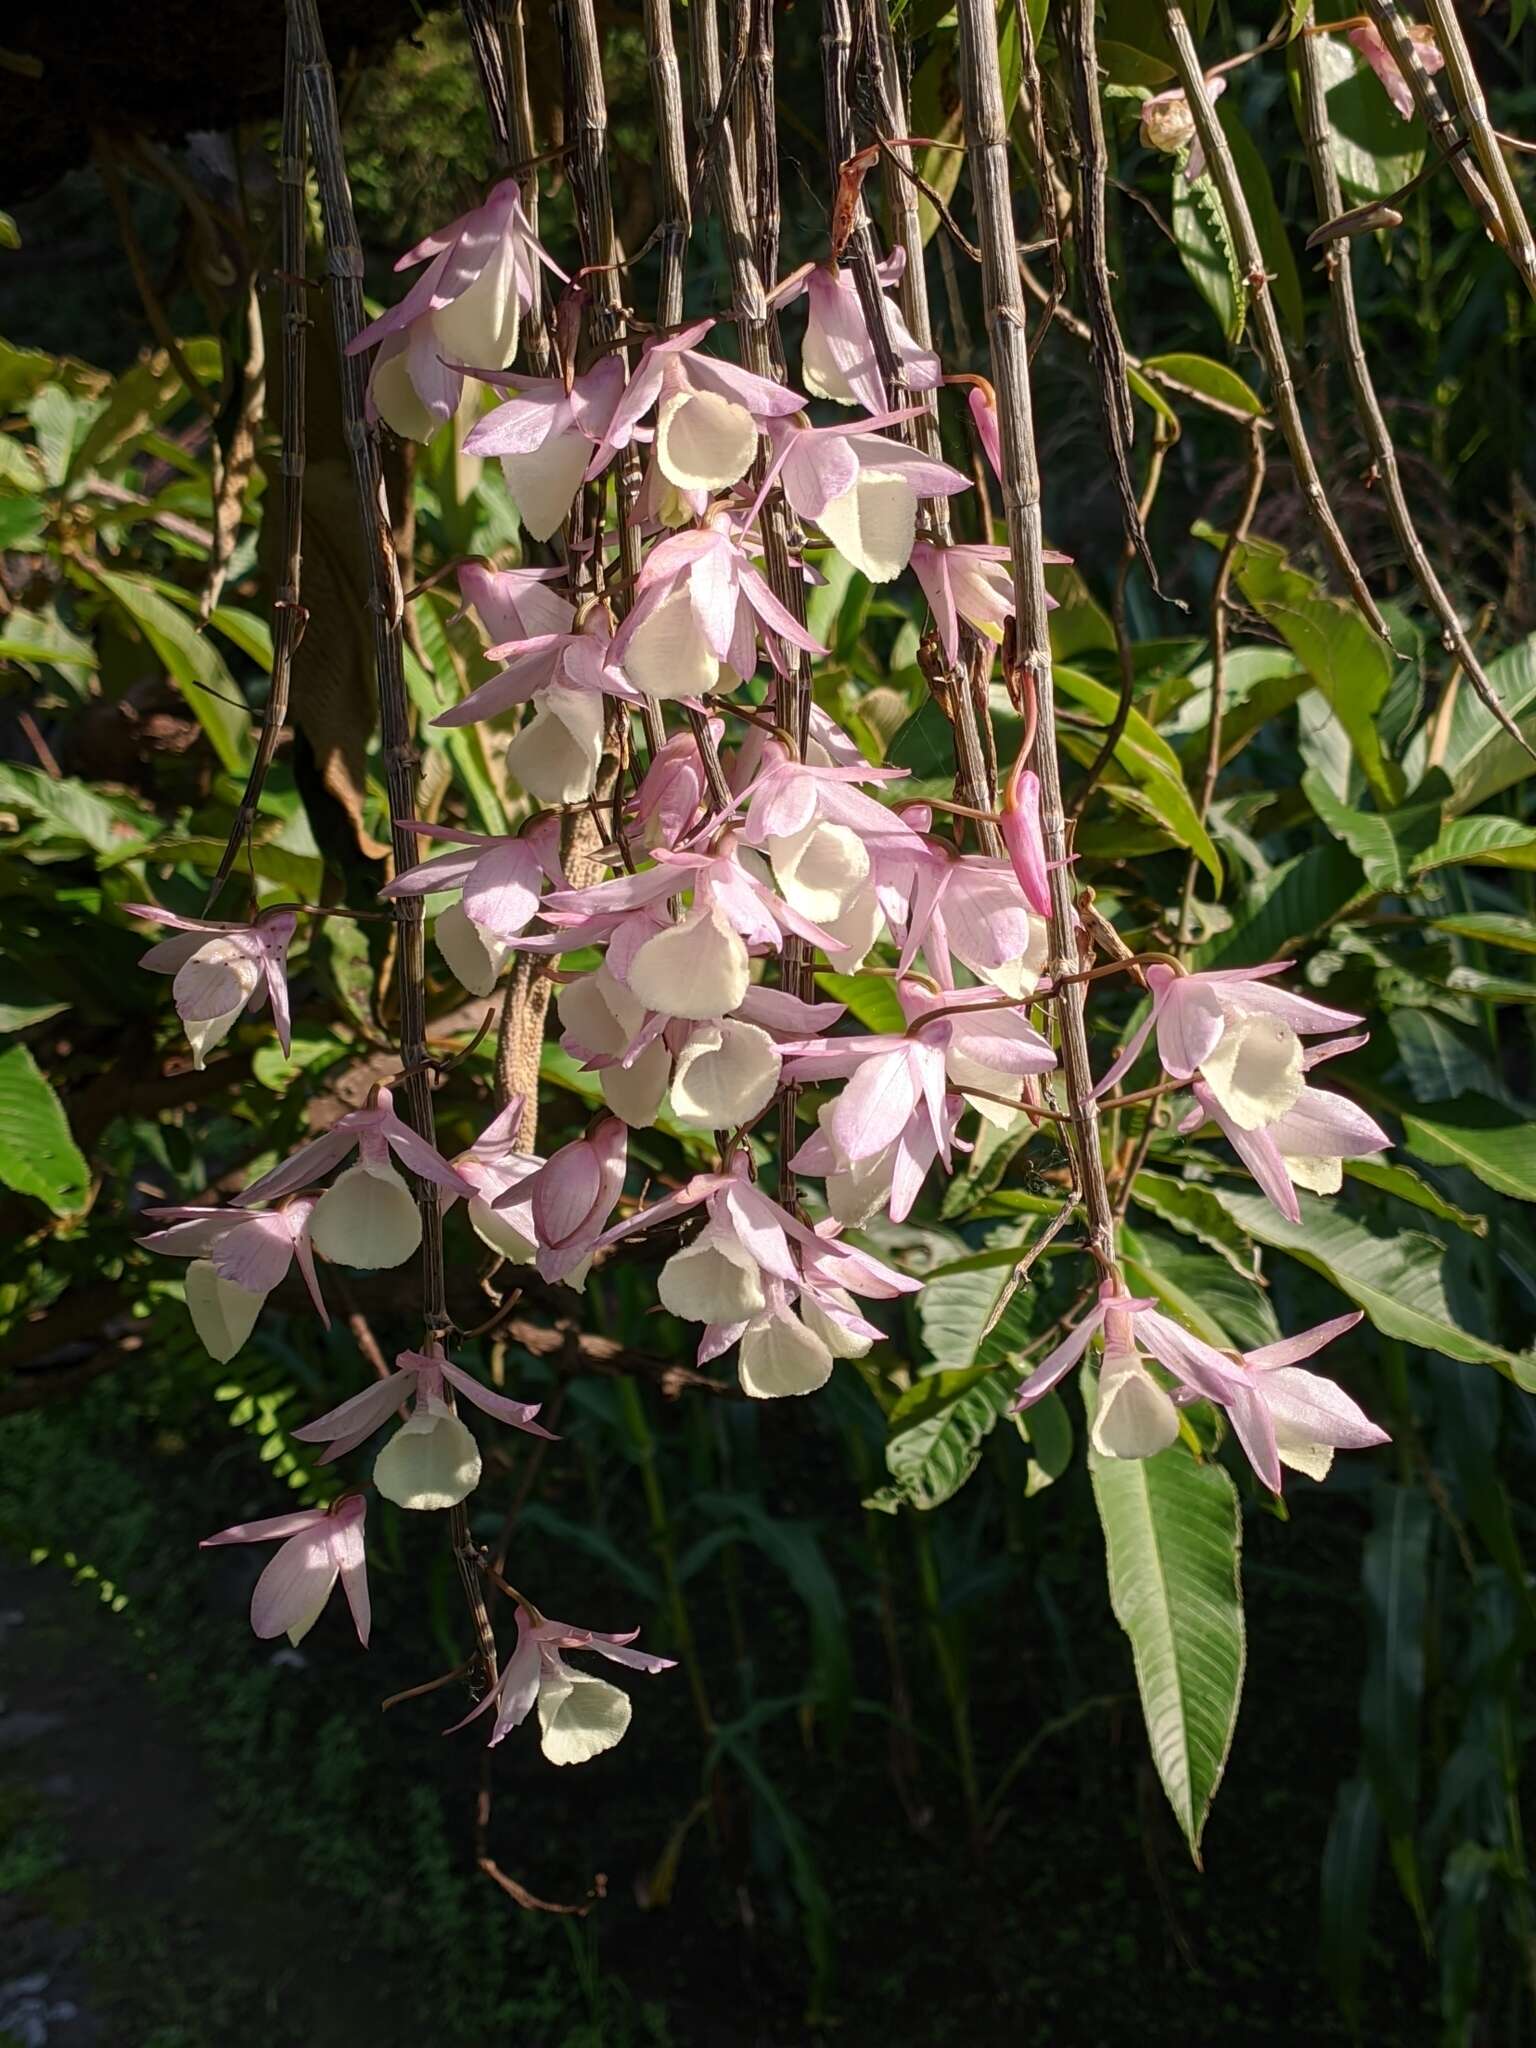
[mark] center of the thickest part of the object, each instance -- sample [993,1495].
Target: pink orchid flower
[671,793]
[563,1207]
[500,881]
[1383,61]
[972,908]
[970,580]
[464,308]
[893,1116]
[837,356]
[1312,1417]
[321,1544]
[708,412]
[1242,1038]
[742,1275]
[238,1256]
[579,1716]
[493,1165]
[982,403]
[700,609]
[432,1461]
[1305,1145]
[860,487]
[549,437]
[514,604]
[1167,124]
[1135,1417]
[1023,837]
[222,970]
[367,1218]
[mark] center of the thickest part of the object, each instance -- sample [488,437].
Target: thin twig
[1079,48]
[1468,93]
[1266,324]
[1220,612]
[344,263]
[1339,264]
[288,613]
[986,134]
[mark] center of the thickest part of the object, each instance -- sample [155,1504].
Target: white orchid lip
[367,1219]
[1255,1070]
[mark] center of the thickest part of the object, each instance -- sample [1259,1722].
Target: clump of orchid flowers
[738,862]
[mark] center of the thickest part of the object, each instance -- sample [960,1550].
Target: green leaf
[1350,1857]
[1300,898]
[1147,757]
[73,810]
[1483,1137]
[1407,1186]
[1480,757]
[1395,1575]
[42,639]
[935,1447]
[869,998]
[955,1307]
[1195,1210]
[1172,1541]
[1332,642]
[1375,151]
[1268,222]
[1398,1281]
[192,660]
[1387,845]
[465,744]
[1212,380]
[1490,928]
[1205,247]
[37,1154]
[1487,840]
[21,523]
[1200,1289]
[1047,1428]
[797,1551]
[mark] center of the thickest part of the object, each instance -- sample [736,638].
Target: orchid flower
[1367,39]
[493,1164]
[238,1256]
[563,1207]
[222,970]
[547,435]
[431,1461]
[837,356]
[1306,1144]
[970,580]
[514,604]
[1168,124]
[1312,1416]
[893,1113]
[1241,1038]
[321,1545]
[982,404]
[367,1218]
[1135,1417]
[708,412]
[741,1275]
[972,908]
[579,1716]
[499,880]
[671,792]
[860,487]
[464,308]
[700,608]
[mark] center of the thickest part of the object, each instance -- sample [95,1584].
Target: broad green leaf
[1205,247]
[1268,222]
[1299,899]
[16,1016]
[1488,840]
[1152,764]
[1480,757]
[1407,1186]
[1387,845]
[462,744]
[1490,928]
[933,1452]
[42,639]
[1398,1281]
[796,1550]
[1375,151]
[38,1156]
[1212,380]
[1395,1575]
[1350,1857]
[192,660]
[870,998]
[1483,1137]
[1047,1428]
[1148,393]
[1200,1289]
[955,1307]
[1194,1209]
[1333,643]
[73,810]
[1172,1542]
[21,523]
[1122,65]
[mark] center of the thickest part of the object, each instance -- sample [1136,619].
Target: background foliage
[906,1771]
